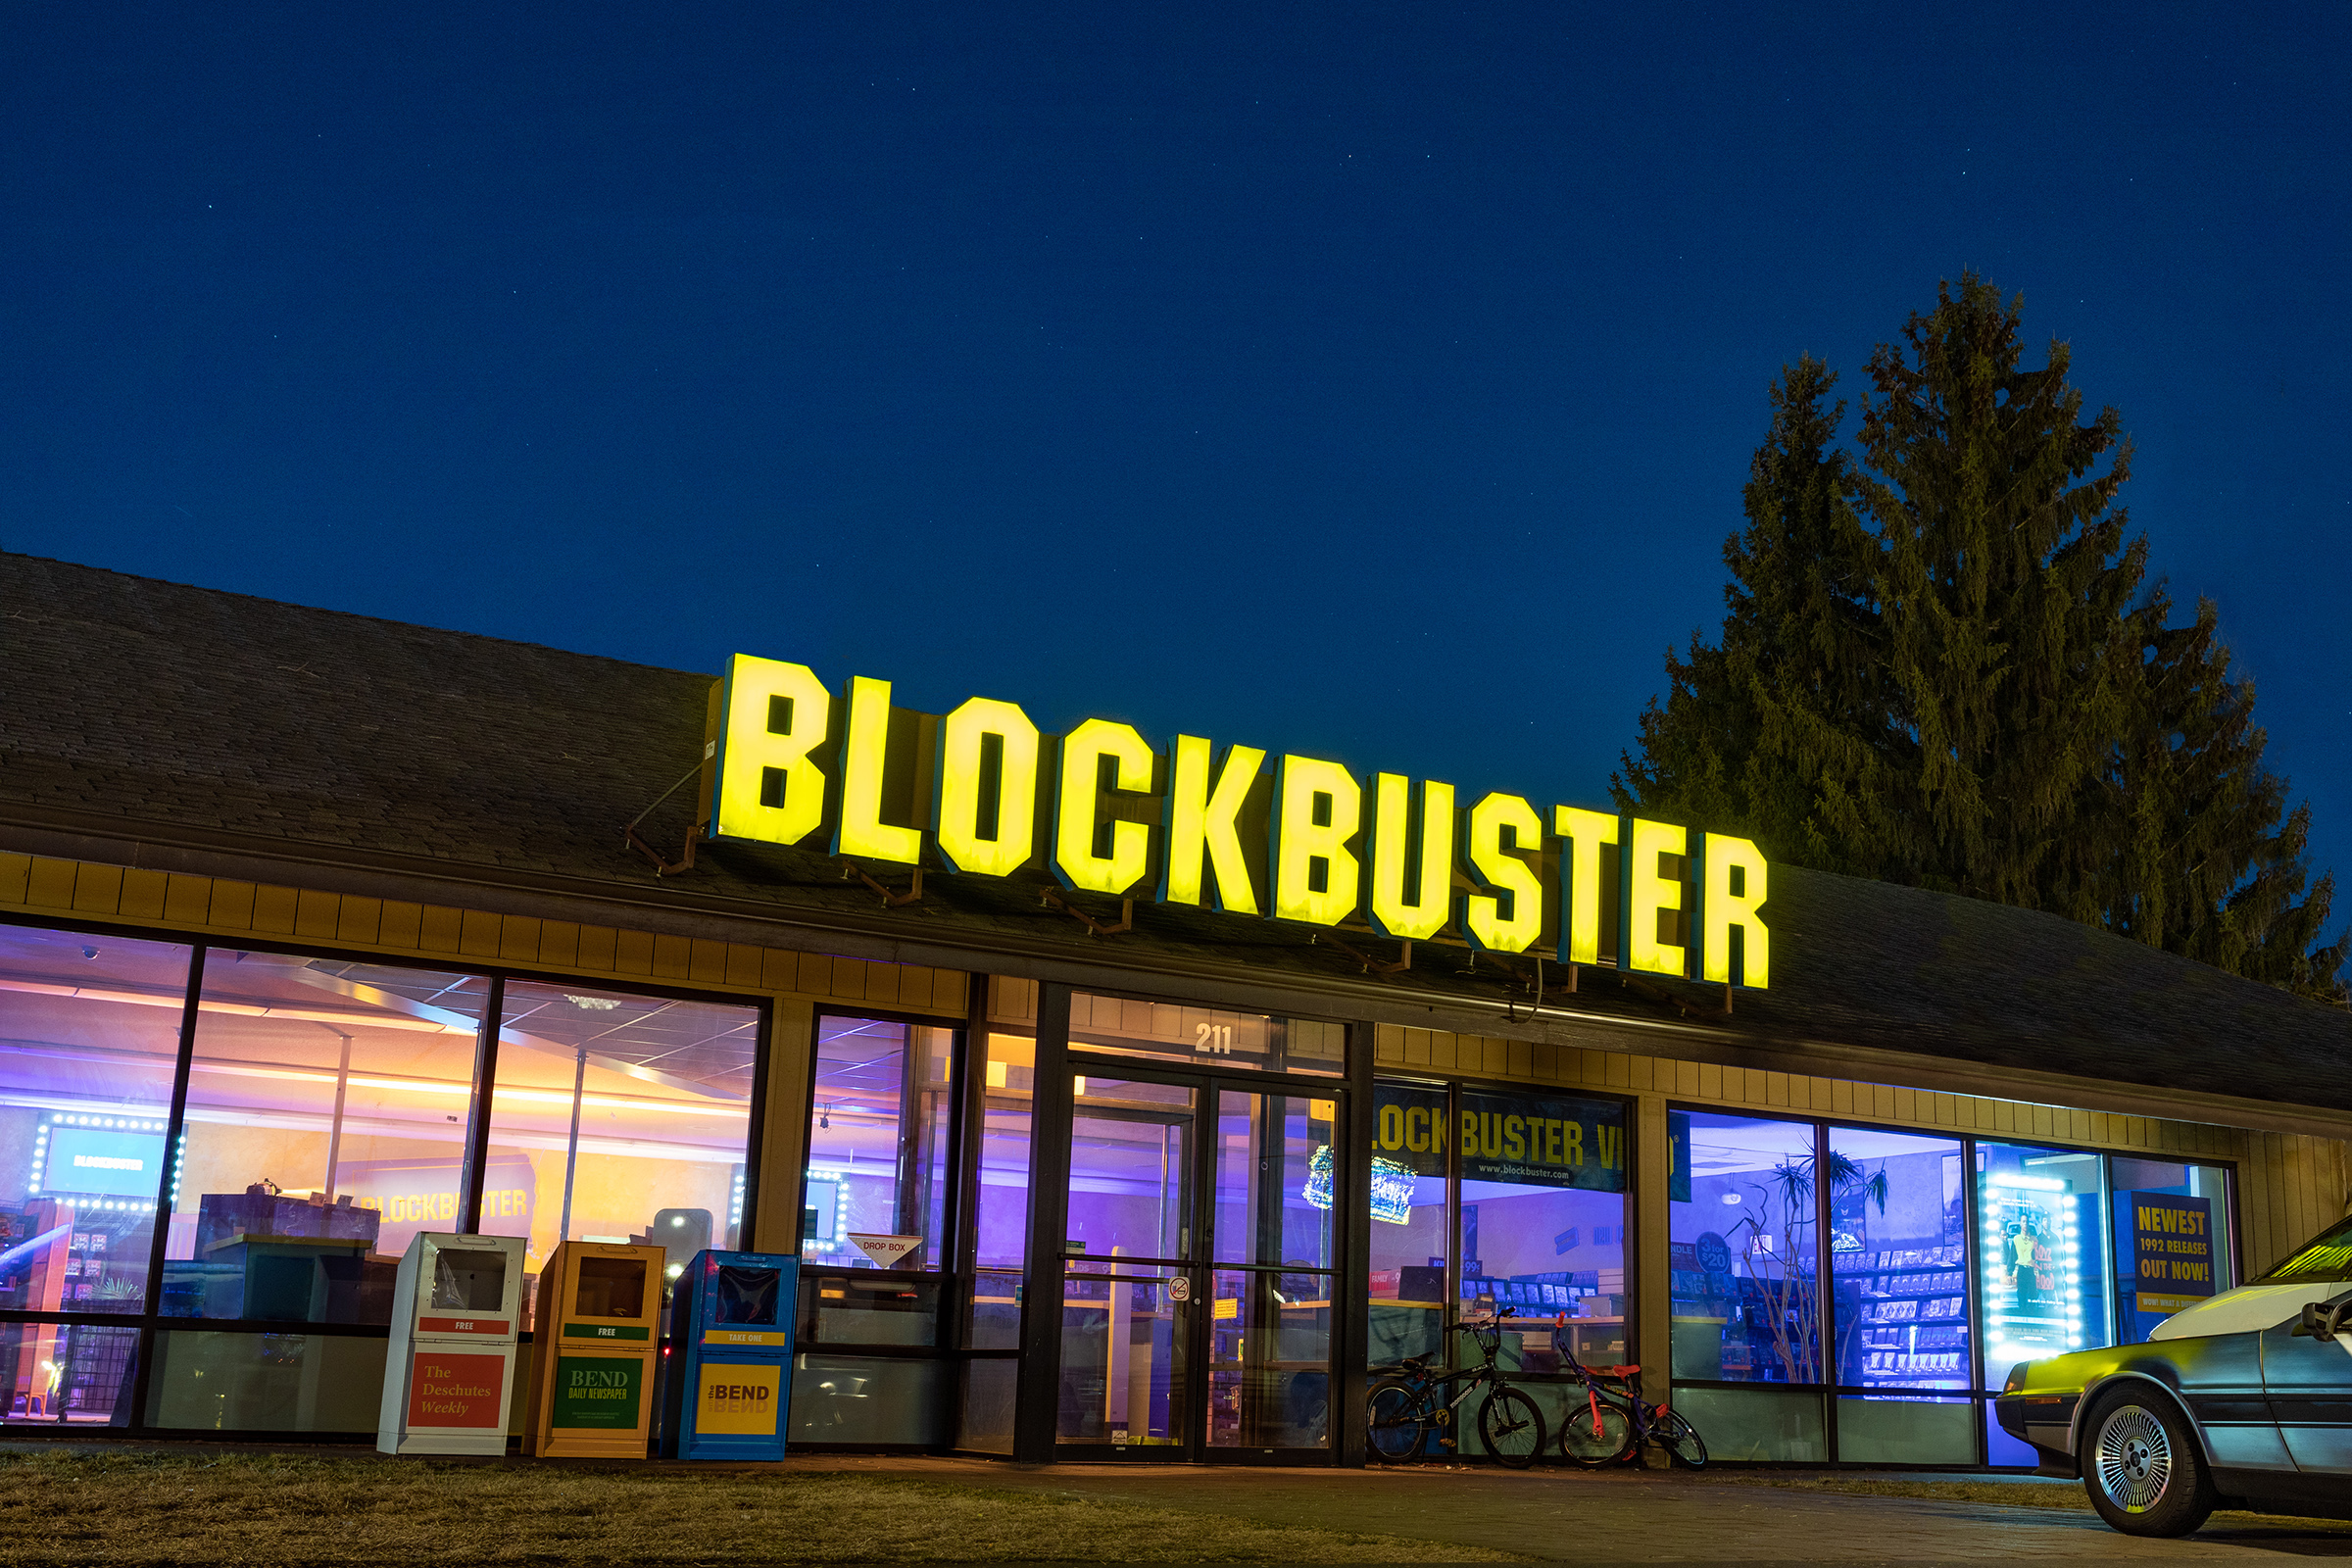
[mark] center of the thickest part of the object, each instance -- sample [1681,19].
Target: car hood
[2250,1309]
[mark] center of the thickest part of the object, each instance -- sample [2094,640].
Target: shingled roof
[165,717]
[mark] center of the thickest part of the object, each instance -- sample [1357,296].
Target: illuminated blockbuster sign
[1303,840]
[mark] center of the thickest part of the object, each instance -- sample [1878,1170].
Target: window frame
[1453,1085]
[148,1323]
[1830,1393]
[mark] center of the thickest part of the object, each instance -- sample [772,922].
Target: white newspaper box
[449,1371]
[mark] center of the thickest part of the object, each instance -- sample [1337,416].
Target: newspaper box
[730,1357]
[449,1370]
[593,1347]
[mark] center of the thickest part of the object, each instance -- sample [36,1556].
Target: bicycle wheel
[1394,1421]
[1511,1427]
[1679,1439]
[1596,1432]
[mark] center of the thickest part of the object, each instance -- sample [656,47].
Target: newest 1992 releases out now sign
[2172,1243]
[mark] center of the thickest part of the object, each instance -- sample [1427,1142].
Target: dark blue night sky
[1372,381]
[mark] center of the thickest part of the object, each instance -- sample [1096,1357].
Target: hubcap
[2133,1459]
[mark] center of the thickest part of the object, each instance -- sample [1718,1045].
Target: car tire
[2143,1466]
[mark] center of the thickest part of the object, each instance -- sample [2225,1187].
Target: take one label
[456,1391]
[739,1400]
[599,1392]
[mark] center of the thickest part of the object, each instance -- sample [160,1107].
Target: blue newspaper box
[730,1357]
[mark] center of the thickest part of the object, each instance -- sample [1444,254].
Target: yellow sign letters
[787,759]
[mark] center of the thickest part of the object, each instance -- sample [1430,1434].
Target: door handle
[2320,1321]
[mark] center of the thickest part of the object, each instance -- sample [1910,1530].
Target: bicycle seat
[1620,1371]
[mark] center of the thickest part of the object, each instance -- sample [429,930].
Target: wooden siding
[209,906]
[2291,1188]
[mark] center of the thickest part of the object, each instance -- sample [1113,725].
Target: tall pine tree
[1939,667]
[1765,734]
[2209,869]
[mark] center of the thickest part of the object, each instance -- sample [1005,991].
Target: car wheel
[2143,1467]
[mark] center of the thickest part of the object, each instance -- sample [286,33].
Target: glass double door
[1198,1269]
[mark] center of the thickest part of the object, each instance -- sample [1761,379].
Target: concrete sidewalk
[1546,1514]
[1559,1515]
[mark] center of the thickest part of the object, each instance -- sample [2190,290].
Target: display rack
[1903,1318]
[1531,1305]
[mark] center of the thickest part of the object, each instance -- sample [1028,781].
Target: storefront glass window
[876,1188]
[328,1108]
[1409,1244]
[89,1032]
[1274,1180]
[210,1381]
[1124,1317]
[1898,1227]
[1759,1425]
[991,1388]
[1206,1036]
[866,1399]
[2173,1245]
[1270,1351]
[1131,1185]
[70,1375]
[1906,1429]
[1743,1243]
[1543,1216]
[1000,1224]
[2041,1257]
[617,1118]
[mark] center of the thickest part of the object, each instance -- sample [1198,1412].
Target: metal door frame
[1038,1402]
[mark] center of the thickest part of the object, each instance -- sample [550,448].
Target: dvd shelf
[1902,1318]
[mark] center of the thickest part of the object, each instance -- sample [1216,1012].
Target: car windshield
[2325,1256]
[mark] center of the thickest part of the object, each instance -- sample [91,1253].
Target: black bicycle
[1611,1422]
[1407,1409]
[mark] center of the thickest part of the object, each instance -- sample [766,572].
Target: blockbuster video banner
[987,794]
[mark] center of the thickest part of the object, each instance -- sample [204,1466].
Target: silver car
[2240,1401]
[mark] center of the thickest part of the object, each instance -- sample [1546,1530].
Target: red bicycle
[1615,1421]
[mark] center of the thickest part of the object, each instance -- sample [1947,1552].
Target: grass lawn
[150,1507]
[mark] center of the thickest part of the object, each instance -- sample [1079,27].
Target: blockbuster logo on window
[89,1161]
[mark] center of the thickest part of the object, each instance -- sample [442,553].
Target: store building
[318,930]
